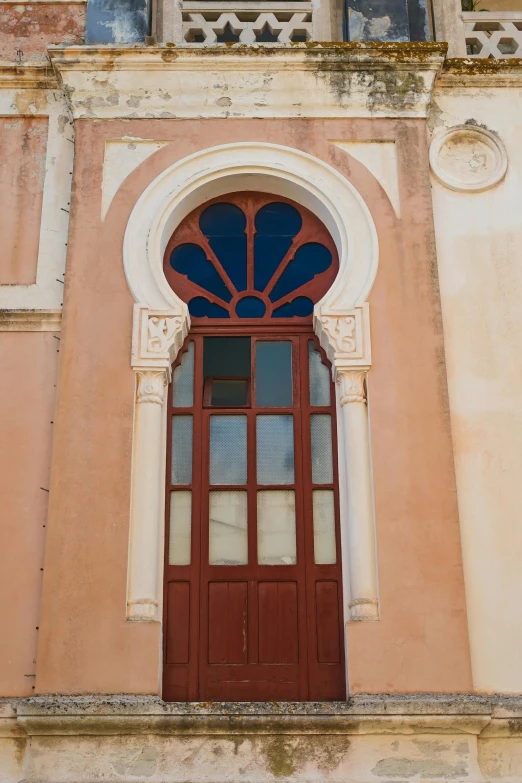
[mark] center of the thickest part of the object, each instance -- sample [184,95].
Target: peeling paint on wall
[28,29]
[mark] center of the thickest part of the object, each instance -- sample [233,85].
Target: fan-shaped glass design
[251,257]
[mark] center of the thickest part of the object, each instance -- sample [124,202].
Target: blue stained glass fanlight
[276,226]
[191,260]
[309,260]
[224,279]
[224,226]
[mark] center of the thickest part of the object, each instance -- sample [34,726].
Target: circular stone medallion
[468,158]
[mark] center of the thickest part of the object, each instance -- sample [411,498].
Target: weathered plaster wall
[23,141]
[421,641]
[27,395]
[479,246]
[27,29]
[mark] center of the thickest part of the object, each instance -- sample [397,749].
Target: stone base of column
[364,609]
[143,611]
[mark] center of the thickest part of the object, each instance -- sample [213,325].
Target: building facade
[261,414]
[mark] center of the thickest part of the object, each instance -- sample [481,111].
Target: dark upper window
[251,256]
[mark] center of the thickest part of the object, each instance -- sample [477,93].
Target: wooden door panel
[176,683]
[327,622]
[227,622]
[178,626]
[253,683]
[278,625]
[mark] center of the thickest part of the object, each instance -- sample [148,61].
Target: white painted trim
[380,158]
[161,322]
[21,99]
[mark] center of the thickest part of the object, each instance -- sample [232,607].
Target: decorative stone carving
[345,337]
[157,337]
[352,386]
[341,331]
[151,386]
[468,158]
[162,331]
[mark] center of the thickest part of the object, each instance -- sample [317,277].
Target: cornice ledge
[332,80]
[31,76]
[476,72]
[305,56]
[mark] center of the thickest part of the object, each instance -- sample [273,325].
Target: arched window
[253,600]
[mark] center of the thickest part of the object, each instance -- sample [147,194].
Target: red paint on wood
[327,612]
[227,622]
[178,603]
[278,626]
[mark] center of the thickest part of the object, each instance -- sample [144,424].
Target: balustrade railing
[211,23]
[493,34]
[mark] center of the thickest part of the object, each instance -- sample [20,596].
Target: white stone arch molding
[161,323]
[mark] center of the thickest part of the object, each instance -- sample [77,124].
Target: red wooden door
[253,595]
[255,612]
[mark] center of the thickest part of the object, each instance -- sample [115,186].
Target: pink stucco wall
[27,398]
[421,642]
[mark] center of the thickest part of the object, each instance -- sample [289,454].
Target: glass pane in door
[274,374]
[228,449]
[181,459]
[228,535]
[324,526]
[180,527]
[276,544]
[183,380]
[321,432]
[318,376]
[275,449]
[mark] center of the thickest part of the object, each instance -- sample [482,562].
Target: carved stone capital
[151,386]
[352,384]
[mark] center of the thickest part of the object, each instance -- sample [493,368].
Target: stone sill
[467,714]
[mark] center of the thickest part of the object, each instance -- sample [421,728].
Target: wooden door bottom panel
[254,682]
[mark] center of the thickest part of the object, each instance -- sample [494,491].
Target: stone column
[147,492]
[359,491]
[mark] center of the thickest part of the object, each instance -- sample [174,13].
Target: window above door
[251,258]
